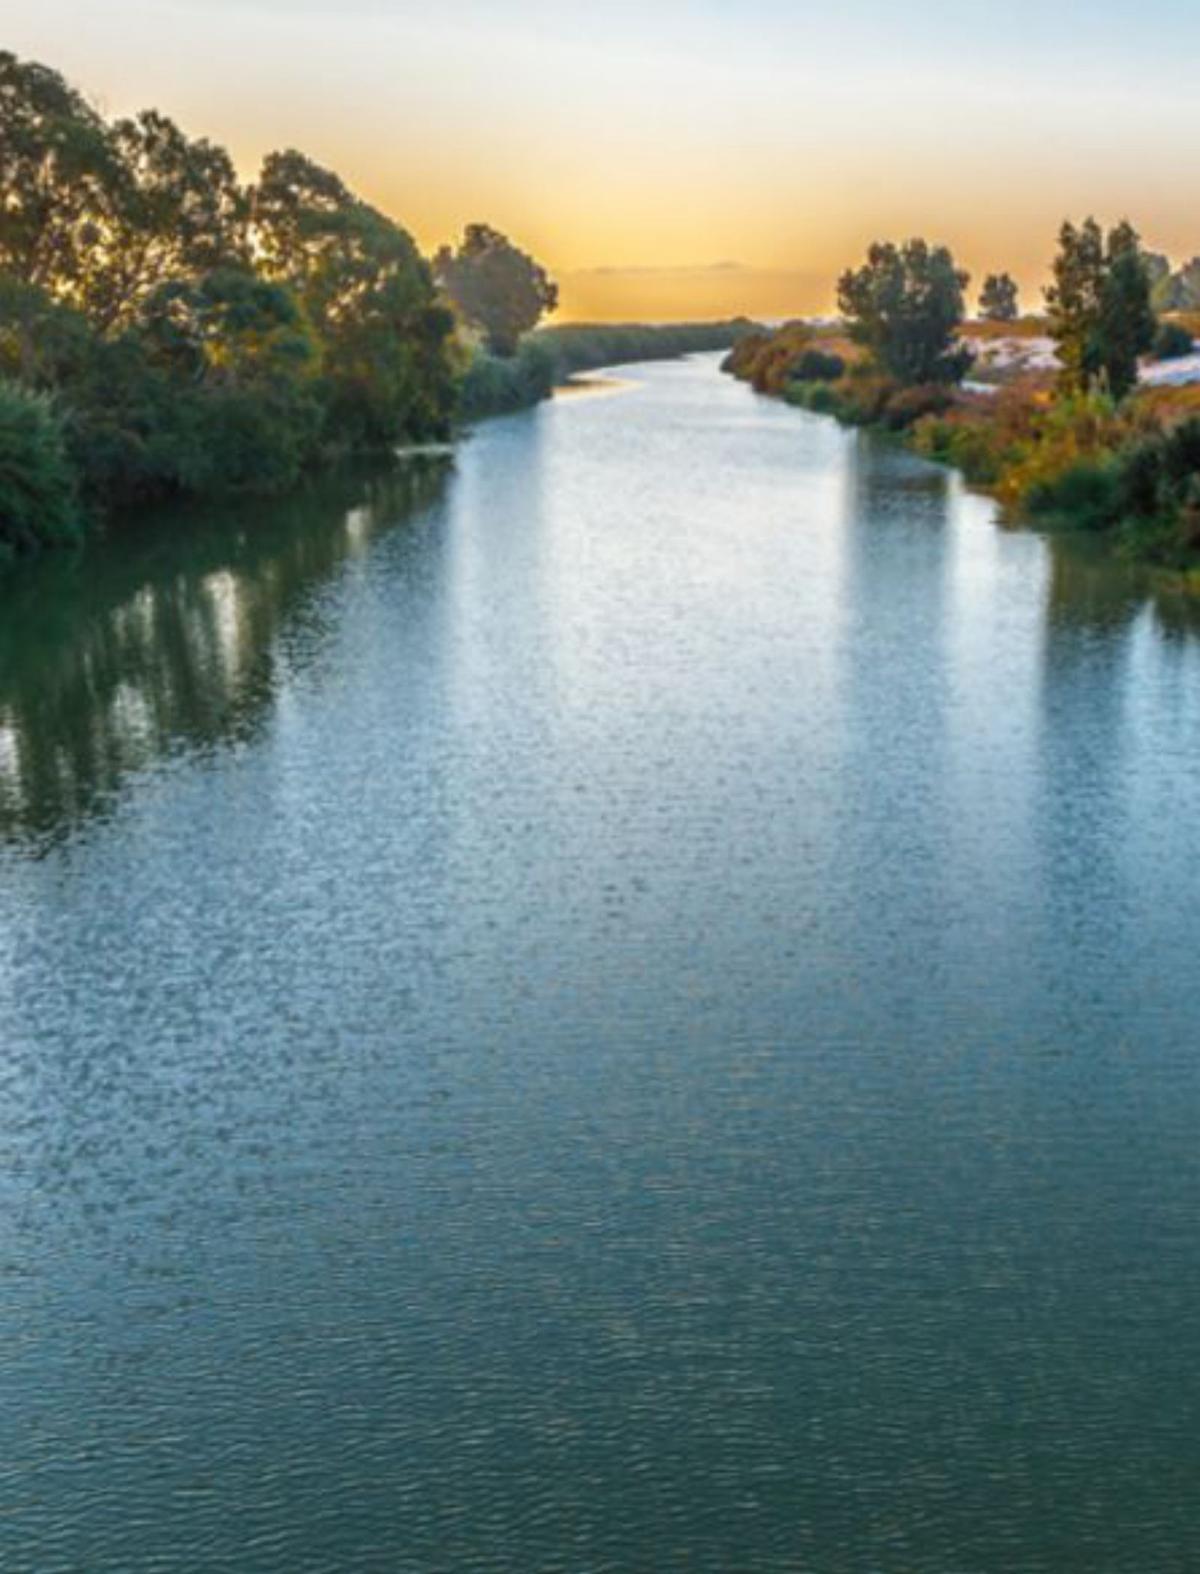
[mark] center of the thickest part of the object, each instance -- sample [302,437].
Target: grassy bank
[495,385]
[1126,470]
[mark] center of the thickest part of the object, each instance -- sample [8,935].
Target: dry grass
[1022,328]
[1169,403]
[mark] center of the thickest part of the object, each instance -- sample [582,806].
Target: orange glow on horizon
[639,158]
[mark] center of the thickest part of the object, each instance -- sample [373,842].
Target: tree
[1177,291]
[1187,286]
[1099,305]
[496,287]
[190,335]
[229,328]
[905,306]
[998,300]
[59,177]
[179,213]
[99,216]
[370,296]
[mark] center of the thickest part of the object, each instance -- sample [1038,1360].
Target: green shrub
[820,398]
[494,385]
[1159,477]
[1172,342]
[1084,495]
[38,502]
[816,366]
[970,445]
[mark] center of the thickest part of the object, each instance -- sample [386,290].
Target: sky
[683,160]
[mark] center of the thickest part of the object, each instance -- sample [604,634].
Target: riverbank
[495,385]
[57,513]
[1127,471]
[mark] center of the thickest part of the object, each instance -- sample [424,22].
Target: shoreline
[1057,466]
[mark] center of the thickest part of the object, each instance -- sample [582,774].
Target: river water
[626,1004]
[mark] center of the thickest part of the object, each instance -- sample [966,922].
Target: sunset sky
[683,160]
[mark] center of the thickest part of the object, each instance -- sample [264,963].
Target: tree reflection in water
[166,636]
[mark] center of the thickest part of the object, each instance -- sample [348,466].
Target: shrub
[819,398]
[38,503]
[766,360]
[1159,477]
[908,405]
[1085,495]
[977,446]
[494,385]
[1172,342]
[816,366]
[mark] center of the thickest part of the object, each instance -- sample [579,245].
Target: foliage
[906,406]
[816,366]
[1084,494]
[999,298]
[247,357]
[867,399]
[766,360]
[1172,342]
[1177,291]
[905,305]
[495,385]
[370,296]
[819,398]
[1099,306]
[1089,458]
[797,352]
[178,211]
[59,173]
[195,335]
[497,288]
[38,506]
[1160,475]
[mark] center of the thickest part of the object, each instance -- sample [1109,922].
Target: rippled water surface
[627,1005]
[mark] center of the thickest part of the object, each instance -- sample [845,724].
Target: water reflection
[684,1004]
[1092,588]
[165,637]
[894,707]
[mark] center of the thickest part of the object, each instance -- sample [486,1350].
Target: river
[628,1003]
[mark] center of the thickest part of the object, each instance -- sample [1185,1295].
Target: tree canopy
[999,298]
[190,332]
[370,295]
[905,305]
[59,175]
[1099,306]
[499,289]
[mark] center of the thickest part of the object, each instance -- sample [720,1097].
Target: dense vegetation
[168,331]
[1081,443]
[165,330]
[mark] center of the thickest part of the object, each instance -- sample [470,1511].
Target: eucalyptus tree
[179,213]
[496,287]
[370,295]
[60,180]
